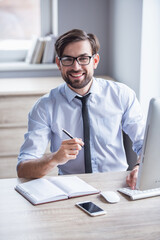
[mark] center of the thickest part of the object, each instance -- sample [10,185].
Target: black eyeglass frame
[76,58]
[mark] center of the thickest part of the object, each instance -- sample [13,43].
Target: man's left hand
[132,178]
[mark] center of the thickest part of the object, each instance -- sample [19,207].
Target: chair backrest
[130,154]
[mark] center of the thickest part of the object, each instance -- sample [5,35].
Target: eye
[67,59]
[83,59]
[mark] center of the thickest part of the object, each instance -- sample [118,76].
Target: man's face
[78,76]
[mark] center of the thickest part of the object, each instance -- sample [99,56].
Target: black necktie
[86,133]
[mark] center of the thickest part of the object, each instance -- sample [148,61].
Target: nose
[76,65]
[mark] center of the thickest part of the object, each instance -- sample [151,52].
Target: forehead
[78,48]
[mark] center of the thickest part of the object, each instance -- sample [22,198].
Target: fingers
[132,178]
[72,146]
[68,150]
[75,143]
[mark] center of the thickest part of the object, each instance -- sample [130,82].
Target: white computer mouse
[110,196]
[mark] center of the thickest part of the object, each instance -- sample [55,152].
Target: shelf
[22,66]
[28,86]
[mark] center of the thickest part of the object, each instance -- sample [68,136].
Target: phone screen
[91,208]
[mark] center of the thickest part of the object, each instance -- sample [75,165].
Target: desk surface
[127,219]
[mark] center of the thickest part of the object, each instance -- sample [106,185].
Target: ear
[96,60]
[58,63]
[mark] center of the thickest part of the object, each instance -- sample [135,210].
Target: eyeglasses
[82,60]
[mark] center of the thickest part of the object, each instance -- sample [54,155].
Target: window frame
[48,24]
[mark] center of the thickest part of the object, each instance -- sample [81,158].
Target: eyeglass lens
[82,60]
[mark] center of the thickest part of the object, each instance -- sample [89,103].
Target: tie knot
[84,98]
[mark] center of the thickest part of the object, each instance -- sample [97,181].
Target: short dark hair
[76,35]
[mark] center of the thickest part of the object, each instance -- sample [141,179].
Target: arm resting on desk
[36,168]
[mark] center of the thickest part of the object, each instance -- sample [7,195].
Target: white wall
[124,52]
[150,53]
[92,17]
[134,49]
[124,32]
[134,46]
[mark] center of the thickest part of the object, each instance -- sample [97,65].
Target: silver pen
[67,133]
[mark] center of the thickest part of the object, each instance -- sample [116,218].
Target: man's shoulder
[53,92]
[109,82]
[114,89]
[57,91]
[50,97]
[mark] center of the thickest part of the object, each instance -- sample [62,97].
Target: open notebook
[45,190]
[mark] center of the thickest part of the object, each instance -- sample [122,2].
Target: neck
[82,91]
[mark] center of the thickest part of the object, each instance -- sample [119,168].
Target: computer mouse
[110,196]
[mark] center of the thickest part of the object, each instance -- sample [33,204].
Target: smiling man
[78,76]
[110,107]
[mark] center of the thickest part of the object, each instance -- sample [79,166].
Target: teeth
[76,75]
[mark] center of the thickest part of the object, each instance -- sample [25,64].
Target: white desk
[126,220]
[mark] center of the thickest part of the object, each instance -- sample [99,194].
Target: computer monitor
[149,170]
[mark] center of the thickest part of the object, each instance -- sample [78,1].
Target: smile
[76,74]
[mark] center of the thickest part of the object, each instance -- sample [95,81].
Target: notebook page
[41,189]
[73,185]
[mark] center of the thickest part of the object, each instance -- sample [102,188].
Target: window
[19,21]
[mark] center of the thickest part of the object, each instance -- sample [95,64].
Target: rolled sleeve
[133,122]
[38,135]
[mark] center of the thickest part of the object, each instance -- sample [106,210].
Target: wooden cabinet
[14,109]
[17,96]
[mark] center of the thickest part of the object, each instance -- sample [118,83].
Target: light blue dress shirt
[113,107]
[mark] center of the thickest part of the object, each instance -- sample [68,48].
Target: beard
[77,83]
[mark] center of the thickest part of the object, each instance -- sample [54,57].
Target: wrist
[50,159]
[54,159]
[136,165]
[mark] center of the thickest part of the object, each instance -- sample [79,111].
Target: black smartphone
[90,208]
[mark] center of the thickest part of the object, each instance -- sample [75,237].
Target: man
[112,107]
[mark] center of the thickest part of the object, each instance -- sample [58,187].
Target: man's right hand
[36,168]
[68,150]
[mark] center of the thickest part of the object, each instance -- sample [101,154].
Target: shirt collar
[95,88]
[70,94]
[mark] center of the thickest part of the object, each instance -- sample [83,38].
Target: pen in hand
[67,133]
